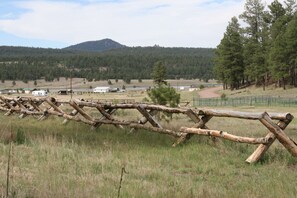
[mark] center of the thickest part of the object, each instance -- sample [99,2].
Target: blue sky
[169,23]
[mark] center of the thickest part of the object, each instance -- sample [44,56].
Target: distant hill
[96,46]
[25,63]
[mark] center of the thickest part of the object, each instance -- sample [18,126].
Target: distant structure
[39,93]
[101,89]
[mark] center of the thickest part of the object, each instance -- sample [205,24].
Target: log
[209,112]
[238,114]
[201,124]
[150,118]
[116,122]
[107,115]
[225,135]
[143,120]
[82,112]
[262,148]
[288,143]
[54,106]
[98,124]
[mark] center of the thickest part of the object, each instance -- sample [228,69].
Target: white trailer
[101,89]
[39,93]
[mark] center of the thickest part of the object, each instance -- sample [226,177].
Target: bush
[164,95]
[223,96]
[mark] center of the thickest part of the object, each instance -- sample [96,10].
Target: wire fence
[246,101]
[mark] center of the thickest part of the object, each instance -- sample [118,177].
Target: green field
[53,160]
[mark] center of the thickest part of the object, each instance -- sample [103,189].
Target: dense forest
[262,52]
[19,63]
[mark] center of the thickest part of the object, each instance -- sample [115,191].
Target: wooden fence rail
[82,111]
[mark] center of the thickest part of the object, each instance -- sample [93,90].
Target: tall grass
[55,160]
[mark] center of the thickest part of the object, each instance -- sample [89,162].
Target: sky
[167,23]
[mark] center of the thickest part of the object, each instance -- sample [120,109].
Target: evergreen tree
[159,73]
[162,93]
[291,38]
[255,44]
[229,66]
[277,53]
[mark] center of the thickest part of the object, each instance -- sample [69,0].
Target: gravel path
[210,92]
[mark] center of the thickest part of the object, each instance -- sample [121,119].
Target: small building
[114,90]
[101,89]
[39,93]
[63,92]
[28,90]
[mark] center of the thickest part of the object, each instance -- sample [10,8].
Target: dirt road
[210,92]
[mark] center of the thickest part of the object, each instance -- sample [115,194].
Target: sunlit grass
[72,160]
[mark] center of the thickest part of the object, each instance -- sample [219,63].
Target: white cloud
[173,23]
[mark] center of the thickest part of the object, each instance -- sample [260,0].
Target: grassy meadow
[49,159]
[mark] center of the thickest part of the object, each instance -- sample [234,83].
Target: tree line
[17,63]
[263,51]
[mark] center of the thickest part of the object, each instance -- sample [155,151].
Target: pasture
[49,159]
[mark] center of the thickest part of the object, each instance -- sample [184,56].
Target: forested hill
[13,52]
[20,63]
[96,46]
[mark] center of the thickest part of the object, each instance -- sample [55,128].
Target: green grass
[55,160]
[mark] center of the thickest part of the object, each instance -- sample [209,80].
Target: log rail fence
[42,107]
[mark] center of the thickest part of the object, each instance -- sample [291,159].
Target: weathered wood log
[210,112]
[288,143]
[98,124]
[81,111]
[195,117]
[150,118]
[18,101]
[116,122]
[107,116]
[201,124]
[36,105]
[225,135]
[52,102]
[262,148]
[143,120]
[238,114]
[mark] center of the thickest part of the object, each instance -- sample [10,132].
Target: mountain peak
[96,46]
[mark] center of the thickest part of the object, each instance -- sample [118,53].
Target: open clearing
[211,92]
[64,83]
[54,160]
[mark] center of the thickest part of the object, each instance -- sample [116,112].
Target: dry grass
[74,161]
[258,91]
[71,160]
[81,83]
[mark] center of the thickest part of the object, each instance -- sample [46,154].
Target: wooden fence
[82,111]
[246,101]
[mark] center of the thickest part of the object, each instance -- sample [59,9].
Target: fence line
[246,101]
[82,111]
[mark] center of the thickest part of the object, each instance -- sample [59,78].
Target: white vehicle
[101,89]
[39,93]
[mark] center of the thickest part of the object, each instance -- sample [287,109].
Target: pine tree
[229,57]
[162,93]
[159,73]
[255,44]
[291,38]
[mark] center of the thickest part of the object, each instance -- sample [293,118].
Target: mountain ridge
[96,46]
